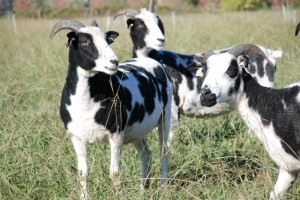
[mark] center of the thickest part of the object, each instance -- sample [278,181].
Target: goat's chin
[110,71]
[158,47]
[106,70]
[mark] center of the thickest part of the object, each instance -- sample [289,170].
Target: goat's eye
[139,25]
[85,43]
[233,70]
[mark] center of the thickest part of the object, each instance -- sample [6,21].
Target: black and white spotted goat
[147,34]
[116,104]
[272,114]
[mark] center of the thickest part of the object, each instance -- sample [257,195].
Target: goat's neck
[86,85]
[140,53]
[250,98]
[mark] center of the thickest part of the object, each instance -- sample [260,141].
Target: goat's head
[146,29]
[89,46]
[224,73]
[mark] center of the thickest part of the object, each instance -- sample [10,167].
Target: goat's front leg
[80,149]
[283,184]
[116,144]
[146,159]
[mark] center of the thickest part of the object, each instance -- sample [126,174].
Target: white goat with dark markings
[116,104]
[272,114]
[147,34]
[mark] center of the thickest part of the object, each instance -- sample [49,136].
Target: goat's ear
[243,61]
[196,69]
[200,59]
[71,37]
[198,66]
[193,67]
[110,36]
[130,22]
[71,34]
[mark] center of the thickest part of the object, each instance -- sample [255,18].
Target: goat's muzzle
[114,62]
[207,98]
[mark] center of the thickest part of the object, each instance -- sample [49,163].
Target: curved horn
[297,29]
[152,6]
[66,24]
[130,13]
[247,49]
[209,53]
[198,57]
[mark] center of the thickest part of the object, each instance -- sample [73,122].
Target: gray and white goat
[272,114]
[116,104]
[147,34]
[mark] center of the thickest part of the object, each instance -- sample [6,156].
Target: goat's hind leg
[284,182]
[146,159]
[174,122]
[163,134]
[80,149]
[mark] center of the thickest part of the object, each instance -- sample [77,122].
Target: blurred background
[75,8]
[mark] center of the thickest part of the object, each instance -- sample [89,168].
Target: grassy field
[212,158]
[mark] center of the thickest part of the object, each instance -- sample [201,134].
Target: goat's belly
[139,130]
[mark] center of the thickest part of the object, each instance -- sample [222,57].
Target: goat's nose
[114,61]
[161,40]
[205,90]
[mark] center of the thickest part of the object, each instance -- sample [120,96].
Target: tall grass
[212,158]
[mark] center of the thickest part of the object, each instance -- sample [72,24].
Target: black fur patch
[270,69]
[69,89]
[83,55]
[259,60]
[138,31]
[137,114]
[176,66]
[160,25]
[65,100]
[175,69]
[112,98]
[233,69]
[268,102]
[251,68]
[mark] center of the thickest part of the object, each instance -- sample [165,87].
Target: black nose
[207,98]
[161,40]
[205,90]
[114,61]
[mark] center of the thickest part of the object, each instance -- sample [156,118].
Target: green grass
[210,159]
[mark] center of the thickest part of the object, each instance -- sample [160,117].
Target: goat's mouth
[161,45]
[112,69]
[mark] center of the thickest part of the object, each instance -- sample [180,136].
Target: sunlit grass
[210,159]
